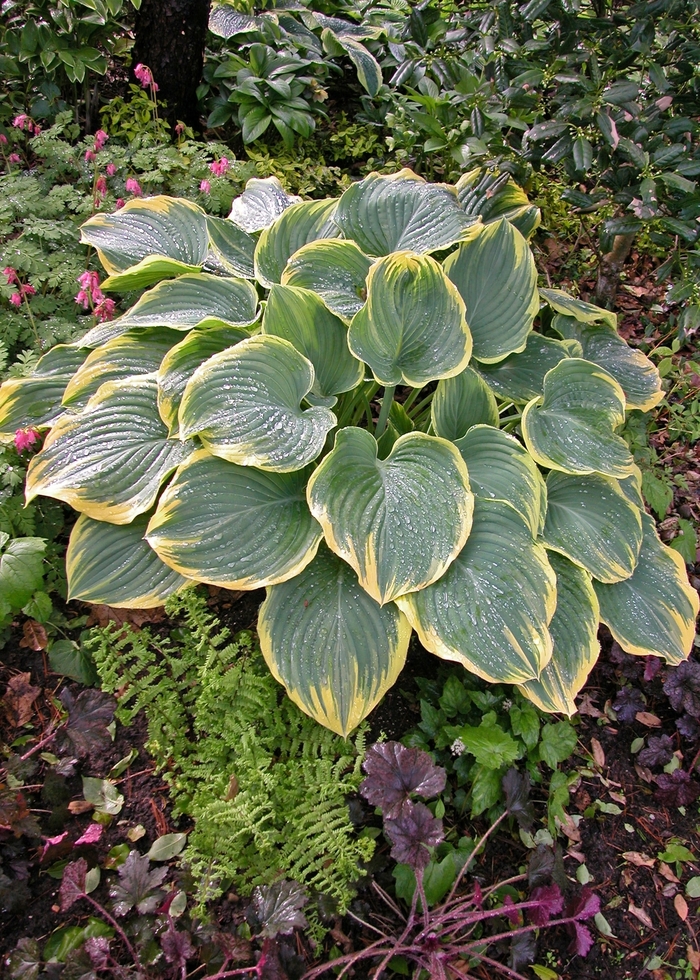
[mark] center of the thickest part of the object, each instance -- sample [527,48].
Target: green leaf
[520,377]
[574,629]
[501,469]
[653,612]
[635,373]
[658,492]
[571,428]
[590,520]
[234,526]
[146,272]
[491,609]
[134,353]
[685,542]
[563,303]
[167,847]
[260,204]
[369,73]
[486,790]
[373,511]
[557,742]
[180,363]
[412,329]
[489,744]
[72,660]
[21,571]
[36,401]
[109,460]
[164,226]
[185,303]
[302,318]
[525,721]
[461,402]
[496,276]
[336,270]
[113,564]
[244,404]
[103,794]
[232,246]
[384,214]
[226,21]
[330,644]
[297,226]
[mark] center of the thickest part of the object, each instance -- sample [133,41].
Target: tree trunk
[611,265]
[170,38]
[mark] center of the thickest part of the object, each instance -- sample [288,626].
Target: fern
[266,786]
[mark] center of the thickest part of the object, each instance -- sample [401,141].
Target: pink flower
[101,186]
[100,139]
[27,290]
[16,299]
[111,169]
[90,293]
[105,309]
[180,129]
[3,139]
[205,187]
[23,121]
[10,274]
[219,167]
[25,439]
[91,835]
[145,76]
[15,158]
[120,203]
[133,187]
[89,156]
[37,129]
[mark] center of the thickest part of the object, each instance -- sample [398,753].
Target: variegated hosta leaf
[180,363]
[226,21]
[631,486]
[461,402]
[302,318]
[244,404]
[635,373]
[399,521]
[571,427]
[386,214]
[652,612]
[369,72]
[233,247]
[496,276]
[574,629]
[109,460]
[134,353]
[184,303]
[335,650]
[336,270]
[494,196]
[260,204]
[501,469]
[164,226]
[36,400]
[234,526]
[491,609]
[113,564]
[520,377]
[299,225]
[412,328]
[590,520]
[585,312]
[152,269]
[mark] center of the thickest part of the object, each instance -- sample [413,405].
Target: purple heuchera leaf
[676,788]
[627,703]
[136,885]
[651,668]
[581,941]
[394,772]
[412,833]
[97,948]
[585,905]
[176,945]
[683,688]
[688,727]
[88,717]
[516,787]
[73,883]
[658,752]
[278,907]
[550,902]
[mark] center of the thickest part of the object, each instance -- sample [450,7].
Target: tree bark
[170,39]
[611,265]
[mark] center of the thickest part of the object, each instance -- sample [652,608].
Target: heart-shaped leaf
[244,404]
[571,428]
[520,377]
[384,214]
[36,400]
[113,564]
[232,246]
[330,644]
[590,520]
[234,526]
[652,612]
[260,204]
[302,318]
[496,276]
[109,460]
[394,772]
[336,270]
[574,629]
[374,515]
[563,303]
[491,609]
[152,269]
[299,225]
[160,226]
[412,329]
[461,402]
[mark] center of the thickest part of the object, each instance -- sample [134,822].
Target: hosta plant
[405,433]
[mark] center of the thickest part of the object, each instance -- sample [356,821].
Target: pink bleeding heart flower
[105,309]
[101,186]
[133,187]
[219,167]
[16,299]
[3,139]
[25,439]
[10,274]
[205,187]
[89,156]
[145,76]
[27,290]
[23,121]
[111,169]
[100,139]
[120,202]
[15,158]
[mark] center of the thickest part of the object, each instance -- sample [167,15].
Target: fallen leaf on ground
[667,873]
[18,700]
[101,615]
[693,957]
[34,637]
[681,907]
[641,915]
[79,806]
[648,719]
[641,860]
[586,707]
[597,753]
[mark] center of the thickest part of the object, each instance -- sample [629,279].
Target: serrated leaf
[278,907]
[412,833]
[136,885]
[89,714]
[72,884]
[394,772]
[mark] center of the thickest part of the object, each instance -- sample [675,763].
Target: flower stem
[386,408]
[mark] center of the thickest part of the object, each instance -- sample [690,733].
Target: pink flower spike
[23,121]
[205,187]
[91,835]
[16,299]
[111,169]
[120,203]
[3,139]
[89,156]
[15,158]
[143,74]
[10,274]
[133,187]
[180,129]
[82,299]
[105,310]
[219,167]
[25,439]
[100,139]
[37,129]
